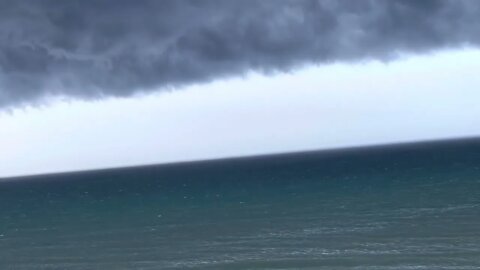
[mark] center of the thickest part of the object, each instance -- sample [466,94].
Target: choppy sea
[414,206]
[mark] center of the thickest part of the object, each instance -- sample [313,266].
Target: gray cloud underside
[93,49]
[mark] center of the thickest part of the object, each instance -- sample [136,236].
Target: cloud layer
[95,49]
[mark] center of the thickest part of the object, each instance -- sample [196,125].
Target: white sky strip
[338,105]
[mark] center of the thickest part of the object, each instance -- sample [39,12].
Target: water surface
[399,207]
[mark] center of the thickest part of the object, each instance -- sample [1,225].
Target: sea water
[400,207]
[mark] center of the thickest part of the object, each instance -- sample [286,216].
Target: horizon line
[351,148]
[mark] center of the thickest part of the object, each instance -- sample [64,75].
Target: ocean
[409,206]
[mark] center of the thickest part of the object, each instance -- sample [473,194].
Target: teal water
[400,207]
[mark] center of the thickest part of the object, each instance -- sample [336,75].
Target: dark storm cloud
[98,48]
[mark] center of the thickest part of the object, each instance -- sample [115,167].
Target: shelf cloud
[107,48]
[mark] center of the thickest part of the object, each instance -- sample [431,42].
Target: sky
[152,82]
